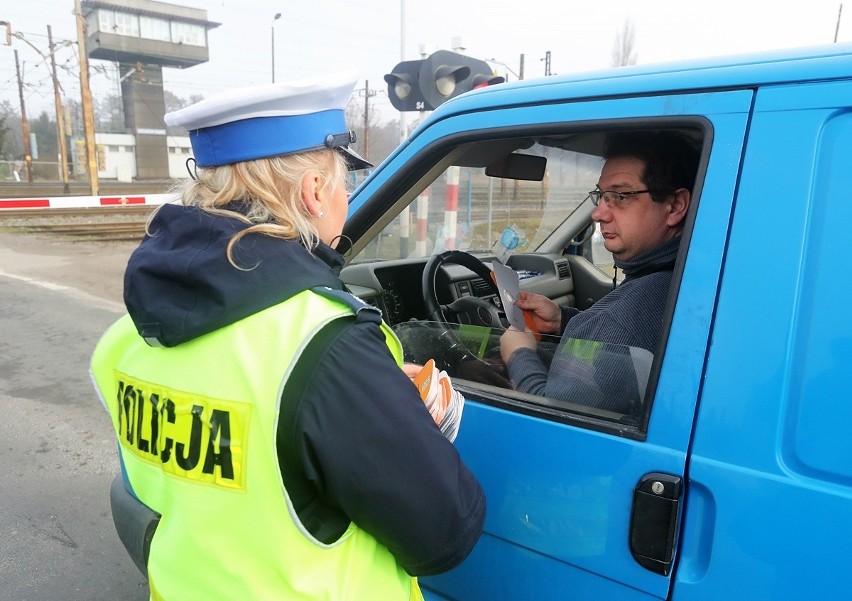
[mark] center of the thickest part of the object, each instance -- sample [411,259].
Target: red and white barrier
[421,246]
[404,231]
[451,207]
[74,202]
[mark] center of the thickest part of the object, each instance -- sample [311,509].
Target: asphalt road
[57,450]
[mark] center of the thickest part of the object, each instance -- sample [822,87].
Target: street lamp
[519,76]
[275,18]
[546,60]
[8,27]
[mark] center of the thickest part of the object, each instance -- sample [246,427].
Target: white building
[117,156]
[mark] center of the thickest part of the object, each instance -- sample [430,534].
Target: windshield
[464,208]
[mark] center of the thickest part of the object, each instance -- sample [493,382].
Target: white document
[510,289]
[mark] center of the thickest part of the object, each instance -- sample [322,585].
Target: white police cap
[271,120]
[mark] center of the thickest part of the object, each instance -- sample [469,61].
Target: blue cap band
[260,137]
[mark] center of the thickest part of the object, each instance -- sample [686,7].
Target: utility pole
[60,113]
[86,92]
[837,28]
[60,116]
[25,126]
[405,214]
[519,75]
[275,18]
[367,94]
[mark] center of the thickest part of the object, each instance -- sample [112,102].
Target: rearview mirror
[528,167]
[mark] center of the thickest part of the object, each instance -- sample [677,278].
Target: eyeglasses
[611,198]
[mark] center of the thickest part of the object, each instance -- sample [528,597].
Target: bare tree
[365,128]
[623,49]
[109,114]
[9,120]
[175,102]
[11,143]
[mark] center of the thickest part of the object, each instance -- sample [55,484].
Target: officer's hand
[411,369]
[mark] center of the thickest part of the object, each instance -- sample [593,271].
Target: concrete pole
[86,92]
[60,116]
[837,27]
[25,126]
[405,214]
[275,18]
[367,119]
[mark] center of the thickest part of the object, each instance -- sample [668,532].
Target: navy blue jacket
[355,441]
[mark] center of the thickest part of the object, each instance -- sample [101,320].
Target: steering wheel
[467,309]
[455,356]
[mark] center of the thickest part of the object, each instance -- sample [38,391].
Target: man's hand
[545,314]
[513,339]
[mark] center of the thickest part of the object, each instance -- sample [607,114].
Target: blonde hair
[269,190]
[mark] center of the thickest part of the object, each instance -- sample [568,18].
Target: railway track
[120,223]
[75,188]
[107,231]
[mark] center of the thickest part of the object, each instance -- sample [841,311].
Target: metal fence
[43,171]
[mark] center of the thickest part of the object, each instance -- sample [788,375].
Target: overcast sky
[367,35]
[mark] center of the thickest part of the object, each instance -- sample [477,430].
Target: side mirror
[583,235]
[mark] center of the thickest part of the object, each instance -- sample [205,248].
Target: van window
[483,198]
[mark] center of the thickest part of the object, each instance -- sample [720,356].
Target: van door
[561,486]
[770,470]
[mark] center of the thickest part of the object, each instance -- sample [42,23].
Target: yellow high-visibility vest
[197,426]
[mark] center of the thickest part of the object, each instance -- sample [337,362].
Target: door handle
[654,521]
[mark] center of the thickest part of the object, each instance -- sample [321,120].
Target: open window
[520,198]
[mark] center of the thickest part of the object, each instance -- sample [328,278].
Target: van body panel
[567,513]
[748,403]
[771,438]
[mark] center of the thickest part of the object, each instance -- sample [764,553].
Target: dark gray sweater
[624,328]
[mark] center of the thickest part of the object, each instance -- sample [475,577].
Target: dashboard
[395,287]
[401,295]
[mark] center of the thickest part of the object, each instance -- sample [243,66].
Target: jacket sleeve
[367,447]
[527,371]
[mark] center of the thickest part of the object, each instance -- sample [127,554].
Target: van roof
[826,62]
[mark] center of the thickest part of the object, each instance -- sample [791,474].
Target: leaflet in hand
[509,288]
[444,403]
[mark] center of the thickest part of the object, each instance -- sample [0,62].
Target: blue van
[729,476]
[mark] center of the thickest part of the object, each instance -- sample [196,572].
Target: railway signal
[404,87]
[423,85]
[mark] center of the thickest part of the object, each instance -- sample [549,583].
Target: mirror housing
[528,167]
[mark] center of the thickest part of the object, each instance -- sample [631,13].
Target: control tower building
[143,36]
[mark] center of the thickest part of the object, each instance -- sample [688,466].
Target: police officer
[260,408]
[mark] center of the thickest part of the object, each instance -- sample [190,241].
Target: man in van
[605,352]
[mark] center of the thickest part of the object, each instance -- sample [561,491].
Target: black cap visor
[354,160]
[340,143]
